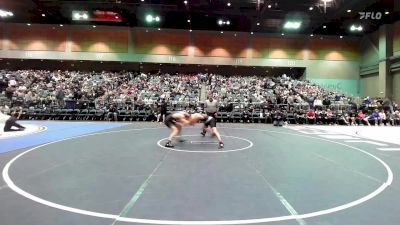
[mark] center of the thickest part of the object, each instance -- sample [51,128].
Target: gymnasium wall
[329,60]
[395,71]
[104,40]
[1,36]
[396,39]
[396,66]
[369,64]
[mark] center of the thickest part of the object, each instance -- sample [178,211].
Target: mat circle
[250,144]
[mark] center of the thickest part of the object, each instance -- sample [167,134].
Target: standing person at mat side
[211,107]
[208,121]
[175,121]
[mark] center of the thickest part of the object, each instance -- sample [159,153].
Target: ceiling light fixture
[292,25]
[150,18]
[356,28]
[80,15]
[311,8]
[349,10]
[185,2]
[269,6]
[4,13]
[228,4]
[223,22]
[258,23]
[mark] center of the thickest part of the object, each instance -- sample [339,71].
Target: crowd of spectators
[253,97]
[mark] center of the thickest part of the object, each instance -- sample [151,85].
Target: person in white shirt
[382,118]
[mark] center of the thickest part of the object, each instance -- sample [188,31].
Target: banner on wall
[348,87]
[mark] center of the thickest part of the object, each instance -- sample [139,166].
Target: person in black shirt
[163,111]
[112,112]
[278,118]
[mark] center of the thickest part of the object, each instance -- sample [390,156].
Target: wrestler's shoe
[203,133]
[221,145]
[169,145]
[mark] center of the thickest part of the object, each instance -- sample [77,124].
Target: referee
[211,107]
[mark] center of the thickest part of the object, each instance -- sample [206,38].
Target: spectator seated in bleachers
[93,95]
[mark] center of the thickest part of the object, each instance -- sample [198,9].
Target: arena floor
[65,173]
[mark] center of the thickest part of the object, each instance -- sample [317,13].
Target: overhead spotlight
[28,24]
[159,29]
[252,33]
[269,6]
[94,26]
[80,15]
[190,30]
[150,18]
[311,8]
[341,37]
[142,0]
[324,26]
[228,4]
[61,25]
[43,15]
[349,10]
[185,2]
[223,22]
[283,34]
[356,28]
[235,35]
[222,32]
[188,21]
[4,14]
[292,25]
[258,23]
[311,35]
[387,13]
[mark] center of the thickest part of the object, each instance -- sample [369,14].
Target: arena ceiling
[327,17]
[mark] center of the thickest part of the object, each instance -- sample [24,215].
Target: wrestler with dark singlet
[209,122]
